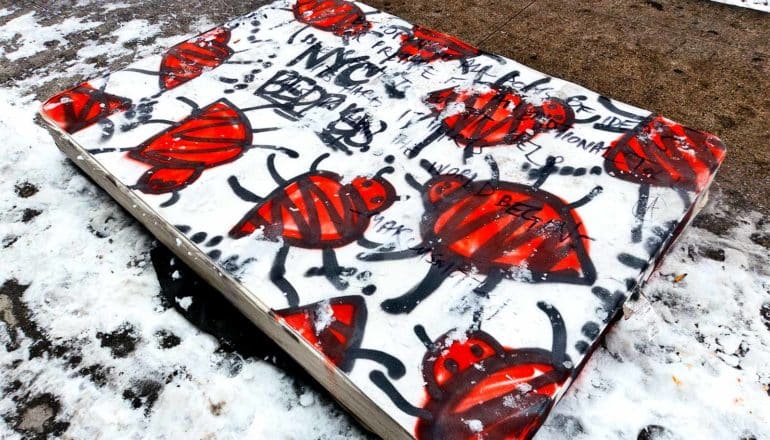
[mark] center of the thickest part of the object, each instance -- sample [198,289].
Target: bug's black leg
[174,198]
[287,151]
[584,200]
[641,210]
[408,301]
[415,151]
[108,150]
[332,270]
[382,382]
[276,276]
[395,367]
[545,171]
[145,72]
[264,130]
[467,153]
[559,344]
[685,196]
[490,282]
[158,121]
[189,102]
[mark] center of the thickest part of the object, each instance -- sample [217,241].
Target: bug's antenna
[422,335]
[545,172]
[559,338]
[607,103]
[317,161]
[241,192]
[427,166]
[273,172]
[594,192]
[188,101]
[477,319]
[411,181]
[385,170]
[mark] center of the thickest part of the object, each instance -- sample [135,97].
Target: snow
[475,425]
[692,357]
[128,32]
[25,33]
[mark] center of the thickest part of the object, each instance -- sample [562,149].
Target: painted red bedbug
[335,327]
[214,135]
[340,17]
[82,106]
[425,45]
[496,228]
[494,115]
[189,59]
[659,152]
[478,389]
[211,136]
[314,210]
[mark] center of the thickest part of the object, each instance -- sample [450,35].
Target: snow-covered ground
[93,345]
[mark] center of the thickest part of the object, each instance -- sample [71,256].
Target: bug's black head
[455,352]
[558,114]
[444,187]
[377,193]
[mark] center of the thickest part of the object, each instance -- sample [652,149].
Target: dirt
[701,63]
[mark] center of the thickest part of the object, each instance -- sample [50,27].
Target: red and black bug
[214,135]
[189,59]
[496,228]
[82,106]
[314,210]
[425,45]
[335,327]
[494,115]
[659,152]
[341,17]
[478,389]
